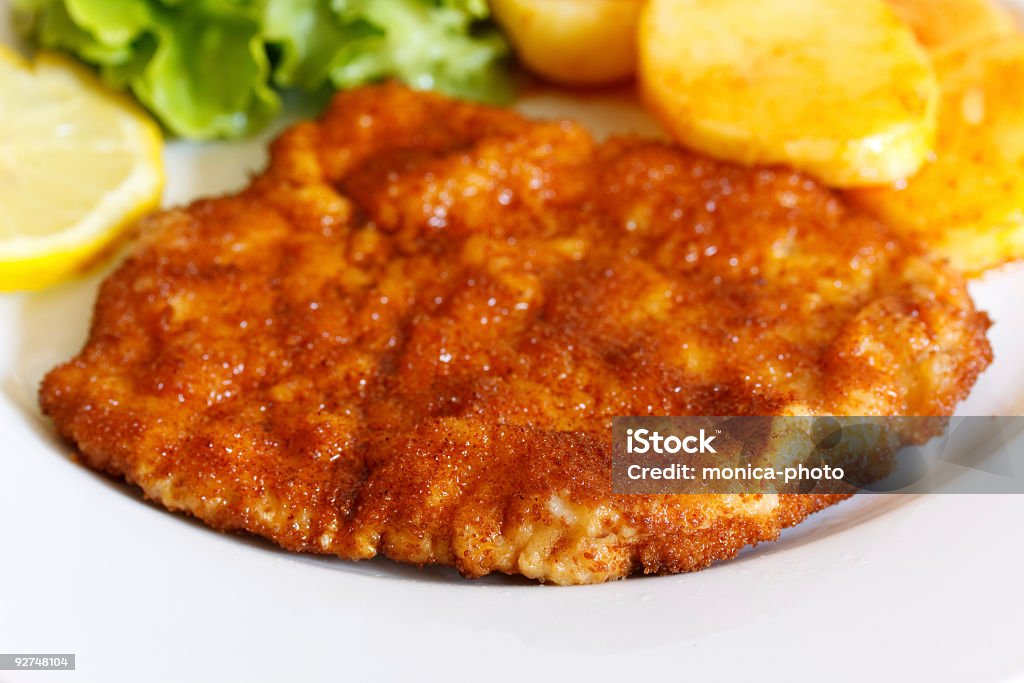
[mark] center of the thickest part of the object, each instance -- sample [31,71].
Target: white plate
[890,588]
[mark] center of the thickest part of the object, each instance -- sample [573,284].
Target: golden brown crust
[409,336]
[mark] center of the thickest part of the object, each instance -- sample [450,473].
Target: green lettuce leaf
[209,68]
[308,34]
[115,23]
[428,45]
[210,74]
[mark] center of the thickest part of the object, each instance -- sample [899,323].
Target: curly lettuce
[214,68]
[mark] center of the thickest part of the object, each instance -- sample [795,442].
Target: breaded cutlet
[409,336]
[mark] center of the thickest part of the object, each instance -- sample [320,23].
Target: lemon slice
[77,165]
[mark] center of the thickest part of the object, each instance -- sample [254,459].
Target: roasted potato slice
[968,202]
[940,24]
[573,42]
[837,88]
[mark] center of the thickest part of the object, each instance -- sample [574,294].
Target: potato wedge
[968,202]
[941,24]
[837,88]
[573,42]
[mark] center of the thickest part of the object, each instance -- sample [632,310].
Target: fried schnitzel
[409,337]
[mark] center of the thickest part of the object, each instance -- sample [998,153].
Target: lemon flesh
[78,164]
